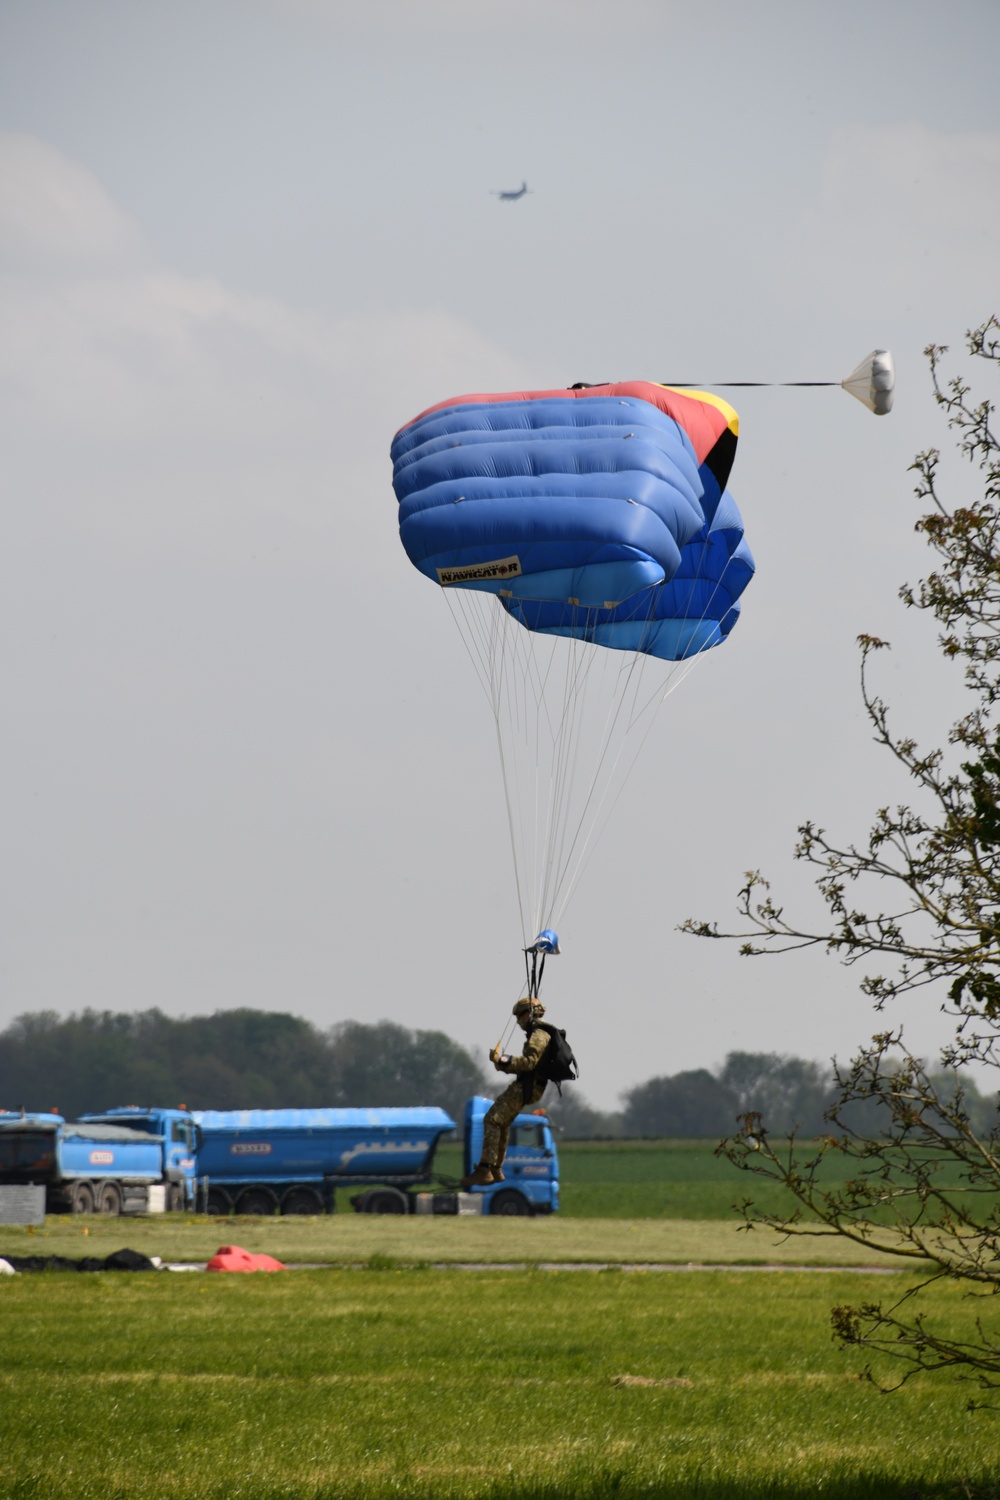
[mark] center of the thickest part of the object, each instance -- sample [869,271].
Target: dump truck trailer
[292,1161]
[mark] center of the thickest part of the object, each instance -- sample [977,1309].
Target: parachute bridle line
[743,385]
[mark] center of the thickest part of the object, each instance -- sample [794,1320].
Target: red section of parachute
[235,1258]
[703,422]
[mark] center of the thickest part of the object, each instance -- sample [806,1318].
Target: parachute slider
[545,943]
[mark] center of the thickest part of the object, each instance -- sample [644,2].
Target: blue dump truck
[291,1161]
[176,1136]
[89,1167]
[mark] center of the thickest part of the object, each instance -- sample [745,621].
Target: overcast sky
[245,759]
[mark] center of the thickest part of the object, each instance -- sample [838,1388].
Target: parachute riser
[533,971]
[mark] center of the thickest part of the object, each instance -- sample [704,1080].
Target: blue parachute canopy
[598,513]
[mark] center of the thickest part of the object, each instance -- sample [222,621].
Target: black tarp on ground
[120,1260]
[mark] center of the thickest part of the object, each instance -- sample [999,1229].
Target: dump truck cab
[531,1167]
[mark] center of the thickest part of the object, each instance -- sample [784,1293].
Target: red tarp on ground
[235,1258]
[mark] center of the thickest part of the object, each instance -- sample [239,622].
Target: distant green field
[676,1179]
[681,1179]
[364,1384]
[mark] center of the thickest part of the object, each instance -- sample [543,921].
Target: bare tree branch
[921,897]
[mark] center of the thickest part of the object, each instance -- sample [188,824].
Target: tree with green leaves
[916,905]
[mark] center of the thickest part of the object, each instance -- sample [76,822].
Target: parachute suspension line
[481,630]
[538,732]
[527,699]
[510,668]
[540,688]
[502,678]
[564,855]
[632,675]
[548,846]
[602,815]
[583,659]
[534,713]
[679,670]
[565,763]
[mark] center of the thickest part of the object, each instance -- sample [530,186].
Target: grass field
[383,1376]
[357,1384]
[623,1201]
[350,1239]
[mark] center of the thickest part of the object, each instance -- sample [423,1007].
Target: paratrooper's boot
[482,1176]
[498,1174]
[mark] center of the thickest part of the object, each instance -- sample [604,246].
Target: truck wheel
[385,1200]
[109,1199]
[174,1198]
[219,1203]
[509,1204]
[82,1198]
[301,1201]
[257,1201]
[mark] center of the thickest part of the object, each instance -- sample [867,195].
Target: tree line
[236,1059]
[251,1059]
[791,1093]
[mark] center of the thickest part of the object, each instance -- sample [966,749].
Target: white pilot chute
[872,382]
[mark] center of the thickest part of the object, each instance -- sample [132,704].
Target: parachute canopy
[599,513]
[872,382]
[588,549]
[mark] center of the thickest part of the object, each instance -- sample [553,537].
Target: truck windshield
[26,1153]
[528,1135]
[180,1131]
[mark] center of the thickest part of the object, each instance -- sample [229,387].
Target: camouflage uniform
[522,1094]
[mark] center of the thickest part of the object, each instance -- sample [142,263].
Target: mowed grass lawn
[628,1201]
[382,1382]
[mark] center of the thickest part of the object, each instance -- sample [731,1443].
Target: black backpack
[557,1065]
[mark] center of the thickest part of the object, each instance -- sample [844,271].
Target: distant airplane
[512,196]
